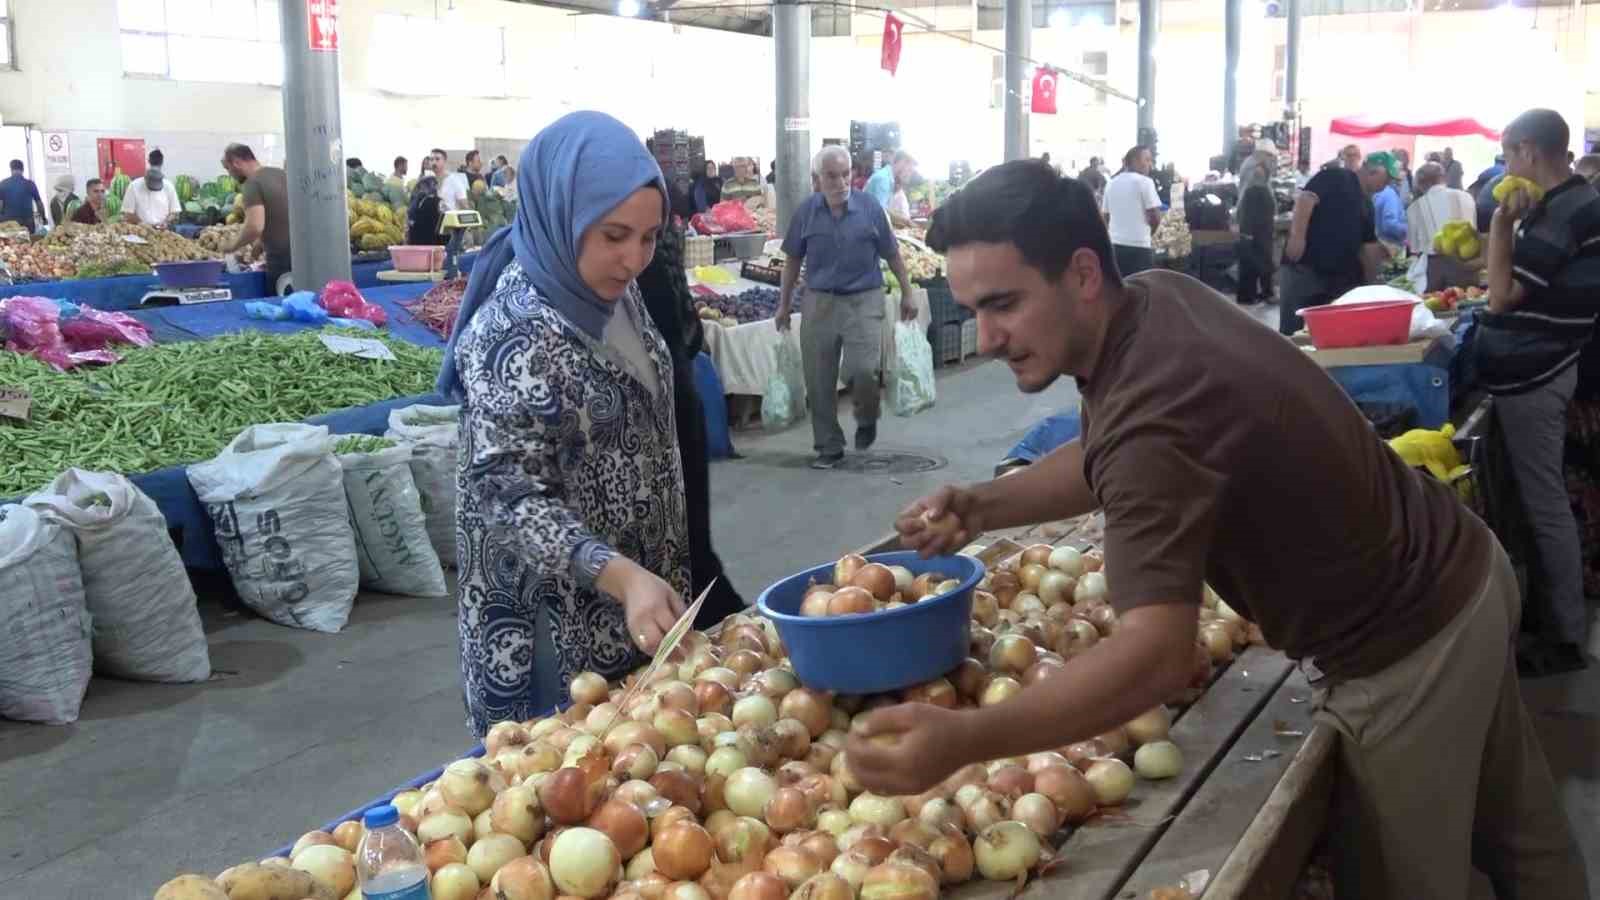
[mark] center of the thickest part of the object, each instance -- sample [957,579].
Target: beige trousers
[838,328]
[1442,772]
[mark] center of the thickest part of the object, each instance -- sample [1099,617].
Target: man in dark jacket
[666,296]
[1257,216]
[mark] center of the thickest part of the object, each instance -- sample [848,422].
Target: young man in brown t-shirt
[1220,453]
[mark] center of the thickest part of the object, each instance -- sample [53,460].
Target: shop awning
[1366,126]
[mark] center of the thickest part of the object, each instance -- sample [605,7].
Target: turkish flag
[1044,90]
[892,27]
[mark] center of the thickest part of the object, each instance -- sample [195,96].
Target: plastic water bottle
[389,862]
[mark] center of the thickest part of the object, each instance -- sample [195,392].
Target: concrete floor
[297,727]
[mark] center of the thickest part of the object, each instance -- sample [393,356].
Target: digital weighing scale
[171,296]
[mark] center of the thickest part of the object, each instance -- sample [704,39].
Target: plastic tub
[416,257]
[881,651]
[1359,324]
[200,273]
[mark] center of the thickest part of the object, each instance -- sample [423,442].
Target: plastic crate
[739,246]
[942,306]
[699,250]
[761,274]
[969,338]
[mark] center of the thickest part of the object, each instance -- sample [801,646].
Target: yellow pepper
[1513,182]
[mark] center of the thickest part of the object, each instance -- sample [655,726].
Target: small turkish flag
[1044,90]
[892,27]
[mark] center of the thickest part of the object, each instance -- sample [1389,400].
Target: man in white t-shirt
[151,200]
[1133,210]
[1437,204]
[454,188]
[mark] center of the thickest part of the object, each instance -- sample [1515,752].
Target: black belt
[846,293]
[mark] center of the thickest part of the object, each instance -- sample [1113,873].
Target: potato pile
[724,778]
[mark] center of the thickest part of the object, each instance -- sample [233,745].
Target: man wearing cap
[1378,176]
[151,200]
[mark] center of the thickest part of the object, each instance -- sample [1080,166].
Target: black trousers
[1133,260]
[1255,270]
[704,565]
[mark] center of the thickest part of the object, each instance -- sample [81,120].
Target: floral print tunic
[566,460]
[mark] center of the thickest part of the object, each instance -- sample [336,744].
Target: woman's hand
[650,605]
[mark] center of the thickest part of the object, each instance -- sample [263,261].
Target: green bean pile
[361,443]
[180,403]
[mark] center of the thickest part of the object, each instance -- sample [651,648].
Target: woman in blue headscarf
[571,534]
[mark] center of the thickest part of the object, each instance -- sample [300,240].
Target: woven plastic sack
[911,387]
[433,432]
[146,624]
[393,550]
[45,661]
[784,400]
[276,499]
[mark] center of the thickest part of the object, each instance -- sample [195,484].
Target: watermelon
[119,187]
[226,184]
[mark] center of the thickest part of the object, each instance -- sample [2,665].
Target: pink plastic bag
[732,216]
[93,329]
[34,324]
[341,299]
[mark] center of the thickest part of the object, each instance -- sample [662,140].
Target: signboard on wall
[56,152]
[323,16]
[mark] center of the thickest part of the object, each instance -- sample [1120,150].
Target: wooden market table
[1247,809]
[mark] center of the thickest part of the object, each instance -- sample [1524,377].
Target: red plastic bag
[34,324]
[732,216]
[93,329]
[702,224]
[342,300]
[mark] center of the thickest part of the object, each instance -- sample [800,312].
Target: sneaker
[827,461]
[1544,660]
[866,436]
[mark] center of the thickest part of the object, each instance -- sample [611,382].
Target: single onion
[642,794]
[1029,575]
[1103,618]
[504,736]
[690,756]
[819,756]
[312,839]
[441,852]
[677,727]
[1111,780]
[834,821]
[538,757]
[1012,653]
[1067,560]
[524,878]
[810,708]
[1081,754]
[719,820]
[970,678]
[824,886]
[847,567]
[743,842]
[755,709]
[624,823]
[516,812]
[858,833]
[1150,726]
[600,718]
[1042,669]
[793,738]
[683,852]
[815,605]
[348,834]
[584,862]
[1006,850]
[983,812]
[632,732]
[791,864]
[681,788]
[852,867]
[1094,559]
[1067,789]
[1218,641]
[953,853]
[819,844]
[1056,587]
[1035,555]
[636,762]
[902,578]
[898,881]
[1030,608]
[1115,741]
[746,662]
[712,697]
[333,866]
[455,881]
[1038,813]
[914,832]
[712,798]
[1091,587]
[748,791]
[490,853]
[722,675]
[759,886]
[788,810]
[1158,759]
[939,812]
[568,797]
[406,801]
[923,586]
[469,785]
[999,690]
[590,688]
[871,809]
[1079,636]
[725,761]
[850,601]
[444,824]
[683,890]
[840,770]
[875,579]
[1011,781]
[985,608]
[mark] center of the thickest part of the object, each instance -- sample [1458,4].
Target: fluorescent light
[628,8]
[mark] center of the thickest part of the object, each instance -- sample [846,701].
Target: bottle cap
[380,816]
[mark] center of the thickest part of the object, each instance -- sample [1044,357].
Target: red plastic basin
[1359,324]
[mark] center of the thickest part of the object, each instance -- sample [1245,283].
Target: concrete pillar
[1291,59]
[313,149]
[1149,23]
[791,38]
[1019,26]
[1230,74]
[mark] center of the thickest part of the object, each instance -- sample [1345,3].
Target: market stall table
[125,291]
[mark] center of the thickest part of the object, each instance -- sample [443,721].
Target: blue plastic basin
[199,273]
[880,651]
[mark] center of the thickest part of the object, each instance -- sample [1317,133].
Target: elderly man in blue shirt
[1378,176]
[839,234]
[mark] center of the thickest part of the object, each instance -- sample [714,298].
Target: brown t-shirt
[1220,452]
[270,188]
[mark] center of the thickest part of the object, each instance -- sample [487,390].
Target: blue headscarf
[580,167]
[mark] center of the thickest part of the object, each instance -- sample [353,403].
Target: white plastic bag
[784,400]
[45,660]
[276,498]
[911,387]
[146,624]
[433,432]
[392,546]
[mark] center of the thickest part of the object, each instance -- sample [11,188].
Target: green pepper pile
[179,403]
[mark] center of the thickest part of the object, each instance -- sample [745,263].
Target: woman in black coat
[666,296]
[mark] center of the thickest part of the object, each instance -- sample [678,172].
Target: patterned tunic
[566,460]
